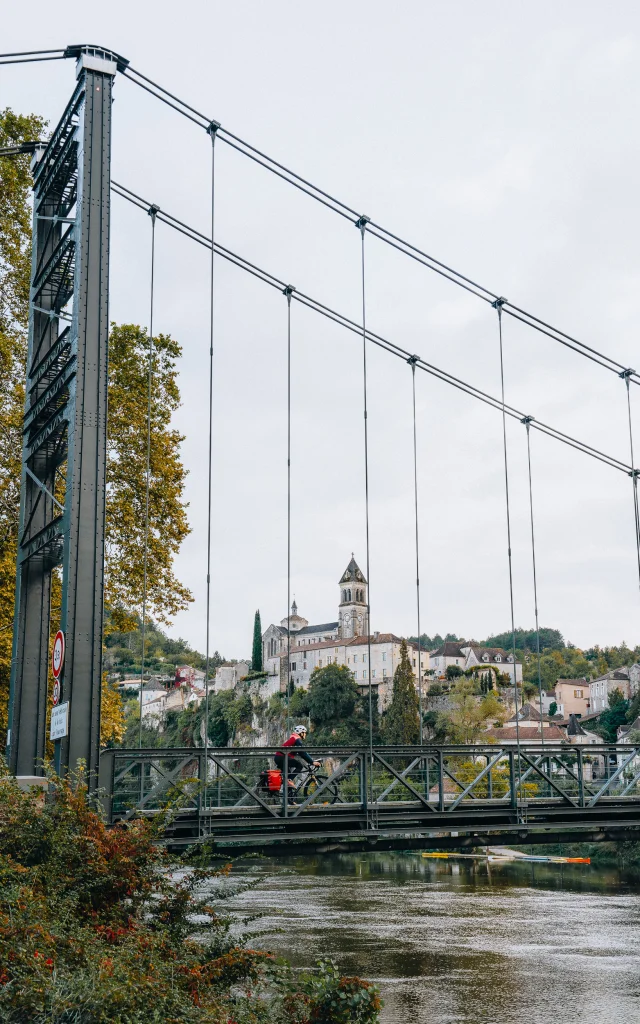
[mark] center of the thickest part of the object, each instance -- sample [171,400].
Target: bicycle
[305,783]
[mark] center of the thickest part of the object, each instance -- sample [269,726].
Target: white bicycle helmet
[301,730]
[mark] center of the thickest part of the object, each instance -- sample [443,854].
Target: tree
[256,654]
[112,719]
[612,718]
[402,718]
[553,708]
[126,479]
[453,671]
[469,716]
[338,712]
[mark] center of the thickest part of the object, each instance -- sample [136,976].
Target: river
[463,943]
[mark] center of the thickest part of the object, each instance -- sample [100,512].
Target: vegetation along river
[463,943]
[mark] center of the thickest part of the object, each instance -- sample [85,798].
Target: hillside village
[288,653]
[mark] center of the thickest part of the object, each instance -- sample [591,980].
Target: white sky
[503,139]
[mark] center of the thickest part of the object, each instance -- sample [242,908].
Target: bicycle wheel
[329,795]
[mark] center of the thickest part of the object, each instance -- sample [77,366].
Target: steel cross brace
[404,782]
[613,778]
[321,788]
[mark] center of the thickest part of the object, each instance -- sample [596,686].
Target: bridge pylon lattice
[63,485]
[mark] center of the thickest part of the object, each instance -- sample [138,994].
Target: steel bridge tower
[62,508]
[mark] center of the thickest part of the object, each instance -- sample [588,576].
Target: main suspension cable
[153,210]
[527,423]
[498,307]
[212,133]
[351,325]
[380,232]
[412,361]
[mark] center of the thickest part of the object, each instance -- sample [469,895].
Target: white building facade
[371,657]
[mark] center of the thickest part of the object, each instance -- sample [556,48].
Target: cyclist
[291,745]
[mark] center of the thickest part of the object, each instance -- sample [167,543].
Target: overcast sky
[503,139]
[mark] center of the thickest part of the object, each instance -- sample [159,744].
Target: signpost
[60,721]
[57,656]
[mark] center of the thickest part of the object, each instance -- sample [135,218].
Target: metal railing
[225,790]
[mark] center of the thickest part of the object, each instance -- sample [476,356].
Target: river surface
[463,943]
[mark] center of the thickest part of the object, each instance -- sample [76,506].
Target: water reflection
[465,943]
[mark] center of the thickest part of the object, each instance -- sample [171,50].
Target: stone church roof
[353,573]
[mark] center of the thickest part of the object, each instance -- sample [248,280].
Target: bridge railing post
[440,781]
[105,782]
[364,800]
[580,767]
[512,778]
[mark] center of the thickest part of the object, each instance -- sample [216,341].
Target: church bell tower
[354,598]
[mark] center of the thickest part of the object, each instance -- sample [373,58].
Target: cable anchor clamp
[362,223]
[625,374]
[527,420]
[499,303]
[412,360]
[212,128]
[634,474]
[153,211]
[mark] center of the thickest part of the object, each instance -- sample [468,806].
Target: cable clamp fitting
[412,360]
[634,474]
[153,210]
[625,374]
[527,420]
[212,128]
[362,223]
[499,303]
[288,290]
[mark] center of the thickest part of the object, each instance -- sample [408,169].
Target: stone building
[295,648]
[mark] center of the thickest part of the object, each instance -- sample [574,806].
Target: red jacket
[295,741]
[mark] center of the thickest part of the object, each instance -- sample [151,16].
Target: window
[349,594]
[384,656]
[577,693]
[364,657]
[384,672]
[374,673]
[355,658]
[498,658]
[293,666]
[304,664]
[319,662]
[414,663]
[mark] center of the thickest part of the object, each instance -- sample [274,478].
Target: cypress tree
[402,722]
[256,653]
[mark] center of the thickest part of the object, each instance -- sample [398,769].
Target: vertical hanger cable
[527,423]
[213,128]
[153,210]
[288,292]
[498,306]
[412,362]
[361,223]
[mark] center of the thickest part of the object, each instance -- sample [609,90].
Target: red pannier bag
[274,779]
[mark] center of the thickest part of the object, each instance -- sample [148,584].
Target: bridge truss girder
[63,483]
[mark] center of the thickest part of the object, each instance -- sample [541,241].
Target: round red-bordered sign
[56,693]
[57,654]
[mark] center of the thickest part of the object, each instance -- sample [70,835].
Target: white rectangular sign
[59,721]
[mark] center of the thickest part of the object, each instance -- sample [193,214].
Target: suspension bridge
[368,794]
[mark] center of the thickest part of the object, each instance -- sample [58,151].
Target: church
[345,641]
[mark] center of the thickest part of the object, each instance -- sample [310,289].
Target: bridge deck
[219,794]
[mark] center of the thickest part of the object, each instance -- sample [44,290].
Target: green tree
[553,708]
[402,718]
[612,718]
[453,672]
[256,653]
[338,711]
[126,479]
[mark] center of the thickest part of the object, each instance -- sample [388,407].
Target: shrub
[98,925]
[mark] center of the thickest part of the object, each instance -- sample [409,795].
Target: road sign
[56,692]
[57,655]
[59,721]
